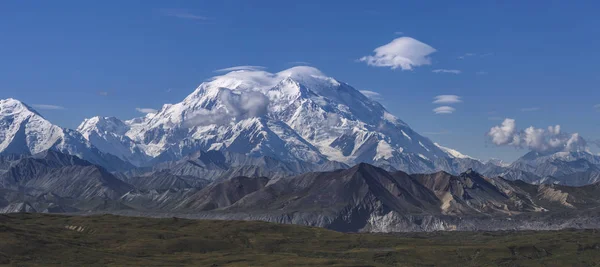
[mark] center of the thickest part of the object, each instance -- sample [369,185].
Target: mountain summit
[24,131]
[298,114]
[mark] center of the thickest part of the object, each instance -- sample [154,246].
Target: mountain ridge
[298,114]
[360,198]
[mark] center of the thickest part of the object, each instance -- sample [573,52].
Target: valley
[107,240]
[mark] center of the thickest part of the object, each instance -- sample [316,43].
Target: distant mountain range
[297,116]
[360,198]
[294,146]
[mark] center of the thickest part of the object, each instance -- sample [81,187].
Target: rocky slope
[361,198]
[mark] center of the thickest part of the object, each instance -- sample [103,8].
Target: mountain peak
[297,114]
[105,124]
[11,106]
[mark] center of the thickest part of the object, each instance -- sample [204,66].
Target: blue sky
[532,61]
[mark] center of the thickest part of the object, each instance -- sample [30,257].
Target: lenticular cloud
[403,52]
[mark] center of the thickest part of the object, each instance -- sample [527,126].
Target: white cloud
[236,68]
[103,93]
[481,73]
[47,107]
[536,139]
[181,13]
[403,52]
[444,110]
[446,71]
[146,110]
[504,133]
[530,109]
[399,33]
[371,94]
[447,99]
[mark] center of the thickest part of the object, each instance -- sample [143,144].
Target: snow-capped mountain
[298,114]
[25,131]
[574,168]
[108,135]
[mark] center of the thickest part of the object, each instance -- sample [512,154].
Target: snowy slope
[298,114]
[25,131]
[108,135]
[453,153]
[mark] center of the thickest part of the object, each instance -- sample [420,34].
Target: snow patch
[453,153]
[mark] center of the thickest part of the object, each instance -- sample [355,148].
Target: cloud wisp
[597,107]
[404,53]
[236,107]
[47,107]
[146,110]
[535,139]
[531,109]
[467,55]
[371,94]
[444,110]
[447,99]
[446,71]
[181,14]
[237,68]
[103,93]
[299,63]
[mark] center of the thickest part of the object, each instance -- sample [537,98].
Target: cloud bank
[536,139]
[404,52]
